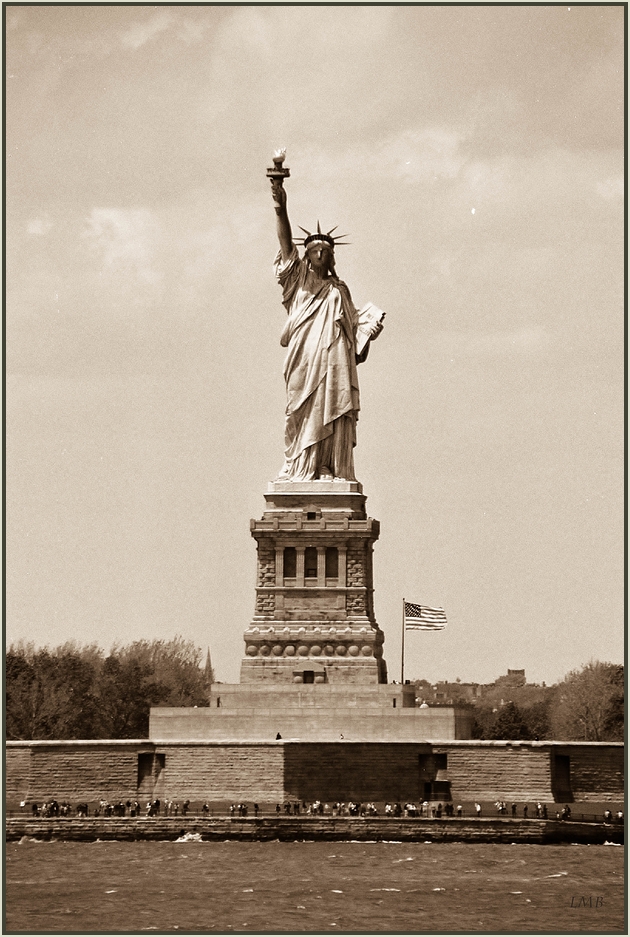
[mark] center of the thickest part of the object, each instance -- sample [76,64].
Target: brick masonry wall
[501,772]
[381,771]
[266,564]
[214,772]
[596,773]
[326,770]
[355,568]
[265,603]
[18,773]
[84,772]
[359,575]
[355,577]
[359,771]
[71,771]
[356,604]
[266,576]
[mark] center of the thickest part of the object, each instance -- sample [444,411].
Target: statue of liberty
[325,337]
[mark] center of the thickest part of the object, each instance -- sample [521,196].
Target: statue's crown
[319,235]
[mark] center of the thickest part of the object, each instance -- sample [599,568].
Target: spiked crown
[319,235]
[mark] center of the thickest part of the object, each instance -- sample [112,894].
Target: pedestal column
[318,628]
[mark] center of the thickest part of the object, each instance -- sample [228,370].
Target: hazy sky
[475,157]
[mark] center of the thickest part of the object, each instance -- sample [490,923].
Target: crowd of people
[51,808]
[104,808]
[320,808]
[175,808]
[369,809]
[425,809]
[541,810]
[241,810]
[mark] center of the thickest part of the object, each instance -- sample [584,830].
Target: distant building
[446,692]
[513,678]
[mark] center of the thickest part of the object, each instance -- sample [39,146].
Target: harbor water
[189,885]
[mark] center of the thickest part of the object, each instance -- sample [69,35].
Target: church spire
[208,670]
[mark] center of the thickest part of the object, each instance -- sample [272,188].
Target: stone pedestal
[314,619]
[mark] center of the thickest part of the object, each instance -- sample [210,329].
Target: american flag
[423,618]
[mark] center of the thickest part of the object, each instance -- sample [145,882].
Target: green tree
[615,718]
[176,666]
[511,721]
[509,724]
[50,694]
[483,718]
[536,717]
[127,690]
[75,692]
[588,704]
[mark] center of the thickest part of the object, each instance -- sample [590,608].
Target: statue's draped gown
[320,371]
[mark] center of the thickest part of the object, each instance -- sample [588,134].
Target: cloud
[415,155]
[307,46]
[424,155]
[39,226]
[441,262]
[611,189]
[141,33]
[523,341]
[193,30]
[126,237]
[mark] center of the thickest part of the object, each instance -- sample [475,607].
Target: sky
[474,156]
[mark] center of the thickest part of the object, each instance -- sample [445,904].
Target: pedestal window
[290,562]
[310,563]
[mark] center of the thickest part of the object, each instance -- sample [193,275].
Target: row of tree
[588,705]
[80,692]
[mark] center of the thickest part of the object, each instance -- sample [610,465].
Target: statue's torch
[277,173]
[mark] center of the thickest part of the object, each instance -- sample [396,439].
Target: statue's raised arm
[278,173]
[325,337]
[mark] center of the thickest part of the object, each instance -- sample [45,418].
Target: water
[323,887]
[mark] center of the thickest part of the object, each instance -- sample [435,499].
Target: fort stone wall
[216,772]
[361,771]
[80,770]
[490,771]
[596,771]
[273,771]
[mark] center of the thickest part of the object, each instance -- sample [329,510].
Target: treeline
[80,692]
[588,705]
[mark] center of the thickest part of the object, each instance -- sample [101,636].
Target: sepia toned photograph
[314,468]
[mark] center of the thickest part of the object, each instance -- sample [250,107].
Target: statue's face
[320,255]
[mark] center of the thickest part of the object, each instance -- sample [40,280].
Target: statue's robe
[320,371]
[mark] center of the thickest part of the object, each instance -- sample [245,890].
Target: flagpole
[402,656]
